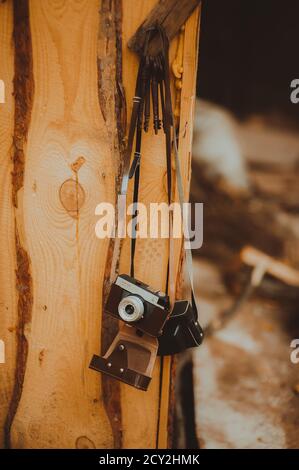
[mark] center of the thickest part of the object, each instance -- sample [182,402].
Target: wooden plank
[8,296]
[171,14]
[188,96]
[68,172]
[113,106]
[67,140]
[145,417]
[140,410]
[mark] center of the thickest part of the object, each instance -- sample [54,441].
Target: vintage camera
[149,330]
[182,330]
[132,354]
[137,305]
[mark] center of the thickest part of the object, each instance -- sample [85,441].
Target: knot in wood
[72,197]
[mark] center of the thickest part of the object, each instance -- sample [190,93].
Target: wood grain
[68,140]
[140,410]
[23,90]
[8,294]
[61,403]
[171,14]
[188,96]
[113,106]
[145,417]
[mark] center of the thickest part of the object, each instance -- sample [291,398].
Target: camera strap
[129,171]
[152,85]
[153,80]
[171,125]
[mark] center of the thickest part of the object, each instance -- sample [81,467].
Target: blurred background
[240,388]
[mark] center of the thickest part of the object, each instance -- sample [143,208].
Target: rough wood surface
[8,295]
[187,102]
[140,411]
[171,14]
[65,127]
[113,106]
[61,403]
[150,414]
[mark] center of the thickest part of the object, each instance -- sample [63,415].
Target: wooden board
[171,14]
[61,403]
[68,138]
[187,103]
[140,412]
[149,427]
[8,295]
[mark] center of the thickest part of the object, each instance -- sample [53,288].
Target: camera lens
[131,308]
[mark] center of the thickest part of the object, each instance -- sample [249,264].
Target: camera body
[136,304]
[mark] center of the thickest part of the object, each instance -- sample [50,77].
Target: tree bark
[8,292]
